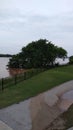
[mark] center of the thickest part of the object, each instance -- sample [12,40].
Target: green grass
[68,117]
[63,121]
[35,85]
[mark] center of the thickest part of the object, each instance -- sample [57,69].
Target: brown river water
[4,71]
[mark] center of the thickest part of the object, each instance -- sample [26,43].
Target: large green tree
[41,53]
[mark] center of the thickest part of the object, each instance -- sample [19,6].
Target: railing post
[24,75]
[32,72]
[2,84]
[15,79]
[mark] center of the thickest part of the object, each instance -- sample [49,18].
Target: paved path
[35,113]
[3,126]
[17,116]
[70,128]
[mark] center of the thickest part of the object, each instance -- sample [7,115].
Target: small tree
[71,59]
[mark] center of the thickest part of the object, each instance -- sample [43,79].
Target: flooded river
[3,68]
[4,71]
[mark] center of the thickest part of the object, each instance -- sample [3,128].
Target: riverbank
[35,85]
[39,112]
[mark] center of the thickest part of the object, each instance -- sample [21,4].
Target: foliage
[68,117]
[71,59]
[37,54]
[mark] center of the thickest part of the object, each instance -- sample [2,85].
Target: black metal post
[15,79]
[24,75]
[2,84]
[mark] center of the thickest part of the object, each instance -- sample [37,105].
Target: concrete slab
[3,126]
[17,116]
[70,128]
[35,113]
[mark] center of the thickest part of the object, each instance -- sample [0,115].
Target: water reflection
[15,71]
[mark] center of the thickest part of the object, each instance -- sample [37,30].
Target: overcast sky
[22,21]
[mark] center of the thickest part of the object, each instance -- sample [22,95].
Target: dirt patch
[45,116]
[57,124]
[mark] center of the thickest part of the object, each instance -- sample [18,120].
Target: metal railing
[9,81]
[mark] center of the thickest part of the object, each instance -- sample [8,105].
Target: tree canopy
[71,59]
[36,54]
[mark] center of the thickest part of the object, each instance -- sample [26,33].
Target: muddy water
[3,67]
[66,100]
[5,72]
[14,71]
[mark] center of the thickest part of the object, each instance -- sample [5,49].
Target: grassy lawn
[68,117]
[35,85]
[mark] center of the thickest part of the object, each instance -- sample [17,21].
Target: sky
[24,21]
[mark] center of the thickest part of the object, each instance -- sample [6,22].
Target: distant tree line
[37,54]
[5,55]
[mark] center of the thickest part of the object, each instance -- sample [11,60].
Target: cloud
[24,21]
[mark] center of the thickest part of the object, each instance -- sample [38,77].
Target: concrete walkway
[35,113]
[70,128]
[17,116]
[3,126]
